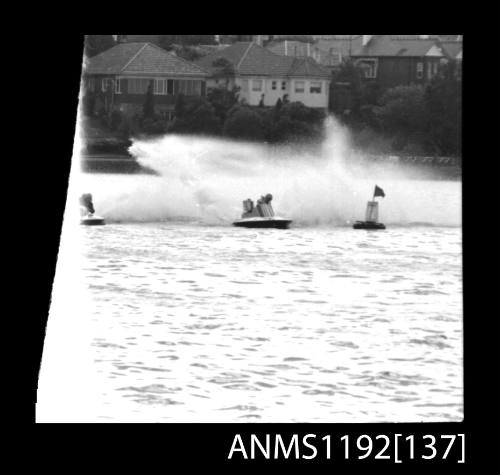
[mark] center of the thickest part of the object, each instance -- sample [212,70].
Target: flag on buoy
[378,192]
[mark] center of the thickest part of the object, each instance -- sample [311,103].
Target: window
[369,67]
[299,87]
[160,87]
[273,85]
[283,85]
[435,67]
[118,86]
[138,85]
[315,87]
[257,85]
[420,70]
[91,84]
[104,85]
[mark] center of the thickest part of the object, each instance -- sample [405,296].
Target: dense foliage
[415,119]
[218,114]
[95,44]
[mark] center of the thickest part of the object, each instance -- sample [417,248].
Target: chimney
[366,39]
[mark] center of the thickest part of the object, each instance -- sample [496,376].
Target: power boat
[87,216]
[91,220]
[261,215]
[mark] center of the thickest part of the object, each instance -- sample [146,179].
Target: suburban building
[119,78]
[265,76]
[305,49]
[452,49]
[393,61]
[341,46]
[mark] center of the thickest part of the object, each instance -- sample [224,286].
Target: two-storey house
[263,77]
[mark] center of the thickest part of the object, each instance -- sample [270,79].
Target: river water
[203,323]
[169,314]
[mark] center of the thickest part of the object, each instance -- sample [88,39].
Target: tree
[297,123]
[180,106]
[222,100]
[198,39]
[244,123]
[167,41]
[443,102]
[402,113]
[223,68]
[195,115]
[188,53]
[148,109]
[95,44]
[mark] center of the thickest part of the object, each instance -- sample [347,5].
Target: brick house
[118,78]
[393,61]
[263,75]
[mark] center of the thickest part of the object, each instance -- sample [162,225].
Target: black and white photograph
[261,229]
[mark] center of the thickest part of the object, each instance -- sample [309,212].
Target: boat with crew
[261,215]
[87,212]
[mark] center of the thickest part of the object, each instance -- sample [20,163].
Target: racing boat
[87,216]
[91,220]
[261,215]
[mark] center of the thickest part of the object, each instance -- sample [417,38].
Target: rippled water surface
[325,324]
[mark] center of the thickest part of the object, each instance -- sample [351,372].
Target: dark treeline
[221,114]
[413,120]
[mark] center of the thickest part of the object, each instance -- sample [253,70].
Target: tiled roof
[144,58]
[307,67]
[253,60]
[342,46]
[385,45]
[451,48]
[301,49]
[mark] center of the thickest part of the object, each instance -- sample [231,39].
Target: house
[452,49]
[393,61]
[265,76]
[341,46]
[119,78]
[305,49]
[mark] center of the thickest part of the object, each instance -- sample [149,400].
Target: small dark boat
[261,215]
[87,216]
[92,220]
